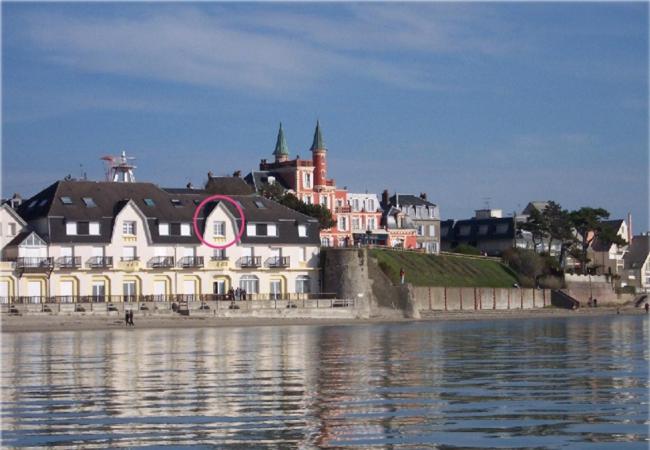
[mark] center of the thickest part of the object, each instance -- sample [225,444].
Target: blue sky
[512,101]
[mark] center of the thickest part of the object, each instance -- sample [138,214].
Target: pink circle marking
[196,216]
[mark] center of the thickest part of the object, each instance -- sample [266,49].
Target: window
[32,204]
[185,229]
[303,284]
[275,288]
[355,223]
[371,223]
[128,254]
[259,204]
[89,202]
[250,229]
[325,242]
[149,202]
[302,230]
[303,254]
[176,202]
[482,229]
[93,228]
[129,289]
[464,230]
[432,230]
[65,200]
[307,199]
[71,228]
[343,223]
[219,287]
[261,229]
[307,180]
[219,228]
[219,254]
[128,227]
[355,204]
[323,201]
[99,289]
[12,229]
[371,205]
[420,230]
[502,228]
[271,229]
[42,202]
[250,283]
[163,229]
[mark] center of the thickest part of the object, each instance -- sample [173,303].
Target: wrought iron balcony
[33,264]
[250,261]
[161,262]
[219,258]
[68,262]
[188,262]
[100,262]
[129,258]
[278,261]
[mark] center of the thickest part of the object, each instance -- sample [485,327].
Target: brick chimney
[423,195]
[384,198]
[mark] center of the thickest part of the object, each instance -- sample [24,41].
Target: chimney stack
[423,195]
[384,198]
[630,234]
[237,174]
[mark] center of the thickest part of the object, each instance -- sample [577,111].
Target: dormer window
[42,202]
[261,229]
[66,200]
[32,204]
[176,202]
[302,230]
[259,204]
[185,229]
[71,228]
[89,202]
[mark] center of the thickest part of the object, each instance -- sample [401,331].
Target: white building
[105,241]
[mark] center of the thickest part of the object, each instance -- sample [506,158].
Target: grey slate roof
[111,197]
[454,236]
[407,199]
[258,178]
[637,252]
[228,186]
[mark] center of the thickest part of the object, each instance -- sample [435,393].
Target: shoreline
[30,324]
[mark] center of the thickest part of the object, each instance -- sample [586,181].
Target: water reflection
[538,383]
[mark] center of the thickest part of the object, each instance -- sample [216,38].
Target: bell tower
[319,157]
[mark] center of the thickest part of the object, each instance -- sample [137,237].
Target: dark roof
[257,179]
[637,252]
[495,230]
[228,186]
[599,246]
[407,199]
[20,237]
[110,198]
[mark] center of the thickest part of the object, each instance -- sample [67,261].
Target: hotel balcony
[342,209]
[68,262]
[278,262]
[250,261]
[129,263]
[100,262]
[34,265]
[161,262]
[217,262]
[190,262]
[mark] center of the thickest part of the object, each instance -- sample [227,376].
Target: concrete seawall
[351,273]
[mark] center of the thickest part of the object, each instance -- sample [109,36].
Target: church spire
[281,151]
[318,143]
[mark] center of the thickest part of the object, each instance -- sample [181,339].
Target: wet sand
[34,323]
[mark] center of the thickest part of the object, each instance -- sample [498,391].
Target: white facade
[131,266]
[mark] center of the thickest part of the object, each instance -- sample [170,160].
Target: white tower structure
[119,170]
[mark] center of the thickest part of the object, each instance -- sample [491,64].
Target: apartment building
[115,241]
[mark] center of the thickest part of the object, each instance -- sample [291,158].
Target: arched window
[250,283]
[303,284]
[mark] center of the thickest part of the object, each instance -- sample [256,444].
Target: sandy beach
[34,323]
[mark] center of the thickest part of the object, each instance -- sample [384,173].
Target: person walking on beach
[402,275]
[126,317]
[131,318]
[647,307]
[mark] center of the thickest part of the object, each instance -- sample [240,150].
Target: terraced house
[122,241]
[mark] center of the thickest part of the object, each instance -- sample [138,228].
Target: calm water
[559,383]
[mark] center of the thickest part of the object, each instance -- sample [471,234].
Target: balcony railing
[35,264]
[129,258]
[161,262]
[278,261]
[188,262]
[68,262]
[250,261]
[342,209]
[100,262]
[219,258]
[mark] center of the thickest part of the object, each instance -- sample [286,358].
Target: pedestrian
[647,307]
[131,318]
[402,275]
[126,317]
[243,294]
[595,303]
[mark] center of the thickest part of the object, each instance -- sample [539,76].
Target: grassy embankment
[444,270]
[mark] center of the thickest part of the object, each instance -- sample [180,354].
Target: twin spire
[282,149]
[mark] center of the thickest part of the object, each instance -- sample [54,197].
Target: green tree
[538,226]
[559,228]
[324,216]
[588,225]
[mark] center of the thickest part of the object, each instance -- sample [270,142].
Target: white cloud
[268,51]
